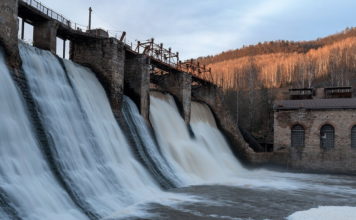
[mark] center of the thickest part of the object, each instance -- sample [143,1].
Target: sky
[197,28]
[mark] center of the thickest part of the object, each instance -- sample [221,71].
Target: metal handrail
[54,15]
[47,11]
[150,48]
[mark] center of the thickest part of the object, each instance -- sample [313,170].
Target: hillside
[329,61]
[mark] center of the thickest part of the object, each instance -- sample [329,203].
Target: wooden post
[122,36]
[22,29]
[64,48]
[161,51]
[151,49]
[138,46]
[169,55]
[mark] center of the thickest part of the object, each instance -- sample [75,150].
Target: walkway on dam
[32,12]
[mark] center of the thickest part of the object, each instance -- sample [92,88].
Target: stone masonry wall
[106,57]
[178,84]
[340,159]
[9,30]
[45,35]
[212,96]
[137,82]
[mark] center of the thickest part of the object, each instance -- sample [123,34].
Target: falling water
[89,146]
[89,152]
[147,148]
[24,174]
[137,187]
[3,215]
[194,160]
[134,180]
[206,132]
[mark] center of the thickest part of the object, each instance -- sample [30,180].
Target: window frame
[353,137]
[327,137]
[297,131]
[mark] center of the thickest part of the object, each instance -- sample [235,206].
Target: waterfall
[133,179]
[3,215]
[204,159]
[88,145]
[25,176]
[147,148]
[205,130]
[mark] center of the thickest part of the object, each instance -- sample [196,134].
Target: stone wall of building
[106,57]
[9,30]
[340,159]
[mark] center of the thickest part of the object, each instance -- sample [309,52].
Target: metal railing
[149,47]
[158,52]
[47,11]
[54,15]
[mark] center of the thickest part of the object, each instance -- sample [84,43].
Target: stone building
[316,129]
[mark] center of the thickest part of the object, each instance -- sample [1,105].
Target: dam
[115,133]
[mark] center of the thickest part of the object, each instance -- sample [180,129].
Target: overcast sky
[206,27]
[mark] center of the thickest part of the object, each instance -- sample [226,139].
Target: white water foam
[209,160]
[3,215]
[144,139]
[325,213]
[24,173]
[88,144]
[197,161]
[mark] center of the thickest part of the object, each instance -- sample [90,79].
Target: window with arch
[327,137]
[297,136]
[353,137]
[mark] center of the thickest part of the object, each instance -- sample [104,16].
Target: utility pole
[90,10]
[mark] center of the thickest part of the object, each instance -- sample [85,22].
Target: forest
[329,61]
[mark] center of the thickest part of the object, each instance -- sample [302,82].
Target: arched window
[353,137]
[327,137]
[297,136]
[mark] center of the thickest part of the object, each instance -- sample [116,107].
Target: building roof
[339,103]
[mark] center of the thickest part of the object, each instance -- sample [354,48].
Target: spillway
[88,145]
[25,176]
[203,159]
[146,145]
[90,170]
[134,181]
[206,132]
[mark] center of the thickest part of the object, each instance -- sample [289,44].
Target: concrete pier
[9,30]
[45,35]
[179,84]
[106,57]
[137,82]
